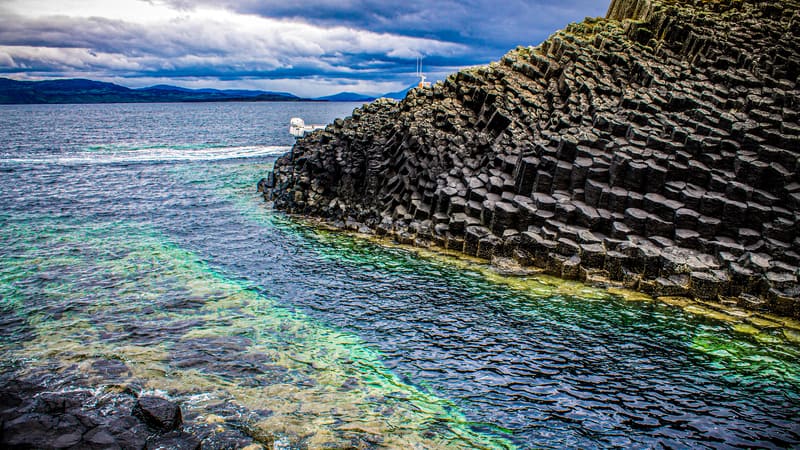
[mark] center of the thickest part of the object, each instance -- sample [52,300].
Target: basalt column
[659,147]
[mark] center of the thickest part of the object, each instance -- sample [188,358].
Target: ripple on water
[650,363]
[187,330]
[174,276]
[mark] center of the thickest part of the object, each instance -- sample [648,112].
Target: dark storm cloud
[488,25]
[206,48]
[365,42]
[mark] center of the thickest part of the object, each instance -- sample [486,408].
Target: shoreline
[626,148]
[40,409]
[505,270]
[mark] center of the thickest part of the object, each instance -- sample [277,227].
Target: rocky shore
[44,412]
[658,147]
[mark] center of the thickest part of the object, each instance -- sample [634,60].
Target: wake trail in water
[151,154]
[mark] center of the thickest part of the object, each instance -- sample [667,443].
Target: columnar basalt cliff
[658,147]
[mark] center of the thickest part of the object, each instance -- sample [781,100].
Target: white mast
[422,78]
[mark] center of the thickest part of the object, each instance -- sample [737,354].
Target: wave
[112,155]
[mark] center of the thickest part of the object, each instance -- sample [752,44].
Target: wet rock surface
[657,147]
[158,413]
[33,415]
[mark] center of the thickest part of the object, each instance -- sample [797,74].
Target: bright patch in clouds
[130,10]
[310,48]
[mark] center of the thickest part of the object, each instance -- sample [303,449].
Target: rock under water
[32,416]
[658,147]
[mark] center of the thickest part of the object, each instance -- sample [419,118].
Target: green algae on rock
[656,147]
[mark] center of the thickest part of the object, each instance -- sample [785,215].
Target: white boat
[298,127]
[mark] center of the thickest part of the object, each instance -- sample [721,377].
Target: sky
[310,48]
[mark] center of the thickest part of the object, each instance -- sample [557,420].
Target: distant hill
[88,91]
[78,90]
[347,97]
[246,93]
[356,97]
[399,95]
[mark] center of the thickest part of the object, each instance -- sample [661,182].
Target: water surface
[131,236]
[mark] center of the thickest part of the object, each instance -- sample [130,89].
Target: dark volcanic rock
[32,416]
[670,126]
[158,413]
[175,440]
[36,430]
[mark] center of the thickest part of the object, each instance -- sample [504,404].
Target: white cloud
[200,33]
[6,60]
[138,11]
[69,58]
[243,40]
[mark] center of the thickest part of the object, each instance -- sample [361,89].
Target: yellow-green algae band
[744,354]
[534,284]
[117,285]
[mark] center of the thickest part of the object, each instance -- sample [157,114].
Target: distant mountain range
[399,95]
[347,97]
[88,91]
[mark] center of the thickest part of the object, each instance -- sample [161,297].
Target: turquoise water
[133,234]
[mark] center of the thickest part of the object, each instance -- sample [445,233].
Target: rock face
[33,417]
[158,413]
[659,147]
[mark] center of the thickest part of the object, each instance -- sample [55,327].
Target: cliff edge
[659,147]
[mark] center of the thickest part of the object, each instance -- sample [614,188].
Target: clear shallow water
[131,237]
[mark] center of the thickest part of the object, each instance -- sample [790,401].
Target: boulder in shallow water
[176,440]
[36,430]
[158,413]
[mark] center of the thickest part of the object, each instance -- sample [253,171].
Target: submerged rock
[176,440]
[34,417]
[659,144]
[158,413]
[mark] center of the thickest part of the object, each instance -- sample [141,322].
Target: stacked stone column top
[658,147]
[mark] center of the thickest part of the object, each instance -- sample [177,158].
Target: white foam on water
[154,154]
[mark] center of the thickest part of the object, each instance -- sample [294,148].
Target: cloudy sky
[310,48]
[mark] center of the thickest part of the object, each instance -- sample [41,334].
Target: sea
[133,234]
